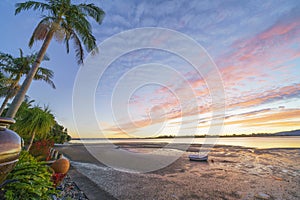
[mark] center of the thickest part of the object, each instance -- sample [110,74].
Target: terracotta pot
[10,148]
[61,165]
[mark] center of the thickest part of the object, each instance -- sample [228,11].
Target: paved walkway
[90,189]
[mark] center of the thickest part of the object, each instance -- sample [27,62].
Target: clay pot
[10,148]
[61,165]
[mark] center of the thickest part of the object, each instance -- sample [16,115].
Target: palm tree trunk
[31,141]
[4,104]
[16,103]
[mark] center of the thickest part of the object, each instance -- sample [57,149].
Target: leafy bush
[33,180]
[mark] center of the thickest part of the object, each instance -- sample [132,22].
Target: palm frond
[46,57]
[82,26]
[68,33]
[85,34]
[35,119]
[41,30]
[78,48]
[67,38]
[93,11]
[31,5]
[21,53]
[5,59]
[46,75]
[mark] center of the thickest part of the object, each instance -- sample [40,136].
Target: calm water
[257,142]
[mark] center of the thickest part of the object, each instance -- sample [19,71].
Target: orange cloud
[251,60]
[267,96]
[288,124]
[266,117]
[277,117]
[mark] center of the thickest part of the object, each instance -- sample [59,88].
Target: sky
[255,46]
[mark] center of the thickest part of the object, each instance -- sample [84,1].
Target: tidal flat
[231,172]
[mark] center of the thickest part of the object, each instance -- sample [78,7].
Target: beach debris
[238,194]
[277,178]
[262,195]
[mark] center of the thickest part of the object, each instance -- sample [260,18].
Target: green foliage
[16,68]
[35,120]
[59,134]
[55,132]
[33,180]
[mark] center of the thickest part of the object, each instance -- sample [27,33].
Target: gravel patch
[69,190]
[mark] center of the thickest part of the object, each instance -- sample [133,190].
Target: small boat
[200,158]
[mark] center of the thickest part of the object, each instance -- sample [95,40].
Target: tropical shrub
[35,121]
[27,123]
[33,180]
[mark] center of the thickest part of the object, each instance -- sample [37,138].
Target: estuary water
[255,142]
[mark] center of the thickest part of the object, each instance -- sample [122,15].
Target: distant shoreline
[197,136]
[256,142]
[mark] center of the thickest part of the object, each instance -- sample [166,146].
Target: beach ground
[230,173]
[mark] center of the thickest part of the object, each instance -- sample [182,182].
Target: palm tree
[35,121]
[4,84]
[17,68]
[5,88]
[64,21]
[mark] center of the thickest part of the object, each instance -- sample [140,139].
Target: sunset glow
[255,45]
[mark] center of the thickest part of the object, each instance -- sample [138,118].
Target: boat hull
[198,158]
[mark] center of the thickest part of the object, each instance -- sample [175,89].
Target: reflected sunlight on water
[255,142]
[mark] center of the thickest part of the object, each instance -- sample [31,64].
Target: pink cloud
[251,63]
[279,30]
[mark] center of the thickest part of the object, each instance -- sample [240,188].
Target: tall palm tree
[64,21]
[35,121]
[17,68]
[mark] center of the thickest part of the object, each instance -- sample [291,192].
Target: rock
[174,196]
[261,195]
[69,190]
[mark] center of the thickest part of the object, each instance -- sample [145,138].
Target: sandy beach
[230,173]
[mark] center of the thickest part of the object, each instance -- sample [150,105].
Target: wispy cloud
[256,48]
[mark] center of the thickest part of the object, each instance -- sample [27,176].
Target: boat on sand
[201,158]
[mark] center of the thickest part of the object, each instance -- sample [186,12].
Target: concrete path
[90,189]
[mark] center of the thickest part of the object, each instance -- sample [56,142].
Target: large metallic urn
[10,148]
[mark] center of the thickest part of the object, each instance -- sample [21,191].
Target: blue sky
[255,45]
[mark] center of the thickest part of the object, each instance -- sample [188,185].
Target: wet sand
[230,173]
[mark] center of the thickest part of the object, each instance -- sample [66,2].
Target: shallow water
[255,142]
[235,173]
